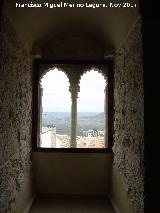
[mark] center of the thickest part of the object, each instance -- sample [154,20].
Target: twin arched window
[72,106]
[73,116]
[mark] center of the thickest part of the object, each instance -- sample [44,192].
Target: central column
[74,89]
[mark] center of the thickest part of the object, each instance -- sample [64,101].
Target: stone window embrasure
[74,71]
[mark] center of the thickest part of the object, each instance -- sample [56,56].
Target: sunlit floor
[47,204]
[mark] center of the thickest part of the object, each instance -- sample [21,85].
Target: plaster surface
[128,117]
[15,116]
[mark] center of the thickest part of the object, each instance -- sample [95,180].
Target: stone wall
[128,122]
[15,115]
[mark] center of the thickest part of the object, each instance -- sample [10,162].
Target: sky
[57,98]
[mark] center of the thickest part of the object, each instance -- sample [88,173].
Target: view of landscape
[56,127]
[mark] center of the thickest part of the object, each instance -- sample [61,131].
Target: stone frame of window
[74,70]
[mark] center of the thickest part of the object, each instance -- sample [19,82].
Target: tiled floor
[47,204]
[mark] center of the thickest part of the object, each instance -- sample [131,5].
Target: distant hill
[100,115]
[85,121]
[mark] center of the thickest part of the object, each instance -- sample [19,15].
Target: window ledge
[74,150]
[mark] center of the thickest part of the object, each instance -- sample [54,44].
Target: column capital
[74,89]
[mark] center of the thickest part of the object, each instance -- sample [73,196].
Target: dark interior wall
[73,45]
[128,124]
[72,173]
[15,115]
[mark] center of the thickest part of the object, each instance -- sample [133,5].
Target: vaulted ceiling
[111,25]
